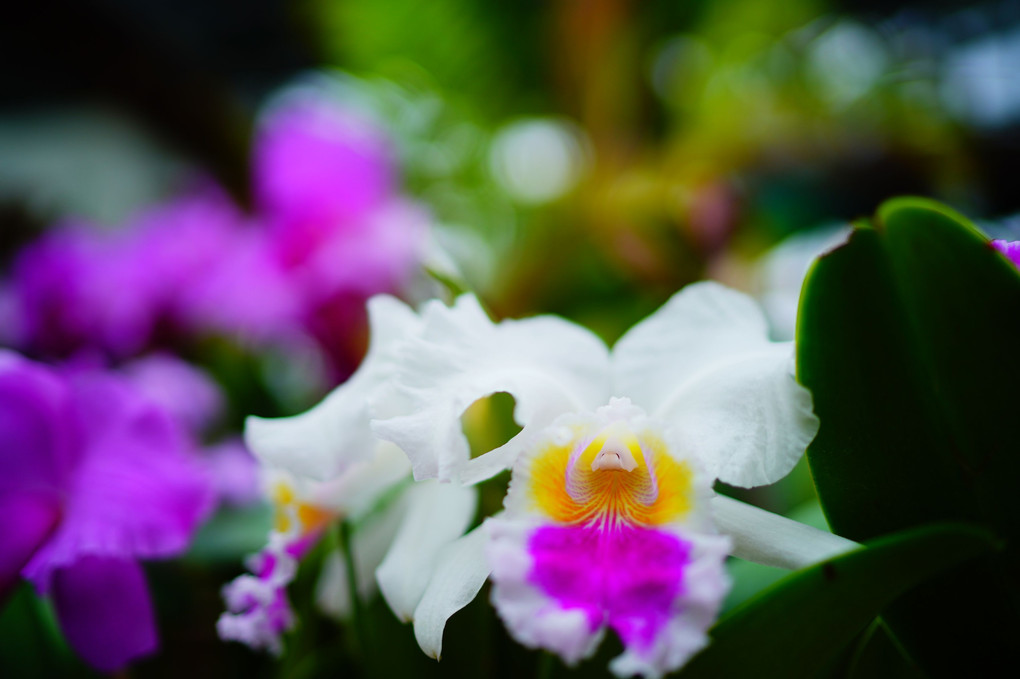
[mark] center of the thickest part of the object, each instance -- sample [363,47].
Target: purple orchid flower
[194,399]
[325,184]
[93,478]
[1010,248]
[316,164]
[214,268]
[78,286]
[329,230]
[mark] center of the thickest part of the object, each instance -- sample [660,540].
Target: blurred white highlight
[537,160]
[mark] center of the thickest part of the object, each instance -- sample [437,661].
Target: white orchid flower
[397,544]
[610,519]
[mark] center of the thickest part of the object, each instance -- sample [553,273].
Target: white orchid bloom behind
[326,465]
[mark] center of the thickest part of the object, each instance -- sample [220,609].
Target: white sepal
[703,364]
[326,440]
[459,575]
[773,540]
[437,514]
[550,366]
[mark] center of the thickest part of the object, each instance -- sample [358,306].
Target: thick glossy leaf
[879,655]
[907,339]
[799,626]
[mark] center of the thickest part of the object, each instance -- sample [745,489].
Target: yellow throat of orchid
[291,514]
[616,477]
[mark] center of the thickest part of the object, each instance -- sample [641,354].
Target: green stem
[359,623]
[546,665]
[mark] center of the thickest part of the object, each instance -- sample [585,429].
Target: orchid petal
[703,364]
[378,255]
[234,473]
[550,366]
[748,422]
[705,584]
[773,540]
[323,442]
[358,490]
[531,615]
[700,326]
[258,610]
[180,388]
[437,515]
[104,611]
[315,162]
[31,518]
[35,408]
[460,573]
[136,492]
[1009,248]
[560,587]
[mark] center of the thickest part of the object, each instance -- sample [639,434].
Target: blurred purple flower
[330,229]
[80,286]
[179,388]
[1010,248]
[93,478]
[234,473]
[325,184]
[316,165]
[195,401]
[213,267]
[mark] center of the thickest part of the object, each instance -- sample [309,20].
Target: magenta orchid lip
[629,545]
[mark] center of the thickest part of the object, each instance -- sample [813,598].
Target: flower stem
[546,665]
[359,623]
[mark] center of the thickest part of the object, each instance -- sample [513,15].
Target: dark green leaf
[907,339]
[879,654]
[32,643]
[799,626]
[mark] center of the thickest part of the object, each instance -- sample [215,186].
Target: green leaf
[907,339]
[799,626]
[232,534]
[880,655]
[32,643]
[452,43]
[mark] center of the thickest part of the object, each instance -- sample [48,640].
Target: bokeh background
[581,158]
